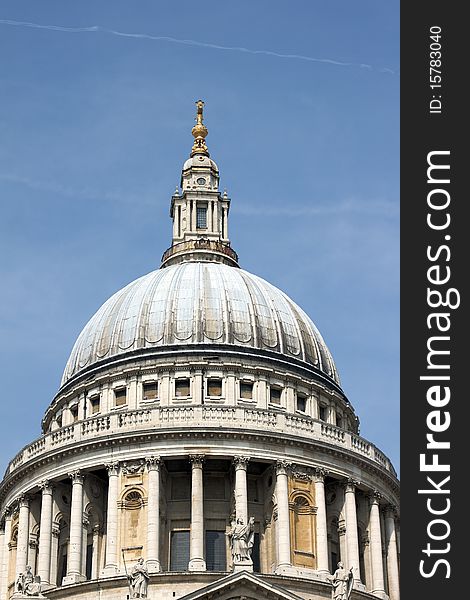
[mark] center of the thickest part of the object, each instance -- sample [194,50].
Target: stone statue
[139,579]
[342,582]
[242,538]
[28,585]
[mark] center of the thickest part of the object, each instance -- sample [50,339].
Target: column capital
[374,497]
[46,487]
[283,467]
[350,485]
[319,474]
[153,463]
[113,468]
[56,530]
[241,462]
[196,460]
[77,477]
[7,512]
[24,501]
[390,511]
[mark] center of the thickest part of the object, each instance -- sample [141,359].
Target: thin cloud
[164,38]
[85,193]
[379,208]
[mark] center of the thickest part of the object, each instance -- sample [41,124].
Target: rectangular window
[120,396]
[322,412]
[214,387]
[339,420]
[74,413]
[216,552]
[275,395]
[301,402]
[179,550]
[201,217]
[150,390]
[182,387]
[59,420]
[94,405]
[246,390]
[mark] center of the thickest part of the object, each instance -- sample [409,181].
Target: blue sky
[302,106]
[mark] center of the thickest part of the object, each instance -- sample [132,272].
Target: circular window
[201,181]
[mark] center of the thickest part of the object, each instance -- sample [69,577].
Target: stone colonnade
[381,563]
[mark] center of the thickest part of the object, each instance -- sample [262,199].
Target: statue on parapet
[342,583]
[28,585]
[242,538]
[139,579]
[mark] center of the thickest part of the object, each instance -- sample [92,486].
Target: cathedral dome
[199,303]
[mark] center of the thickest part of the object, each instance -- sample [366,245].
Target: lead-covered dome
[199,303]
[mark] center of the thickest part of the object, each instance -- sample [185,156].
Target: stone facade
[160,451]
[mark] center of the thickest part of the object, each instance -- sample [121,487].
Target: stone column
[94,561]
[196,543]
[74,559]
[6,555]
[241,494]
[352,542]
[45,534]
[23,536]
[54,553]
[375,540]
[153,515]
[111,564]
[392,557]
[322,526]
[283,526]
[74,555]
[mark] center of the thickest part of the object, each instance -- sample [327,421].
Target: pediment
[241,586]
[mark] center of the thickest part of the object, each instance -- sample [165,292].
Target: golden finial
[199,132]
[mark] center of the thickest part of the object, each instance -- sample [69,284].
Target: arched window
[303,522]
[133,520]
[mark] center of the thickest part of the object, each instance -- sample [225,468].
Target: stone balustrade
[233,417]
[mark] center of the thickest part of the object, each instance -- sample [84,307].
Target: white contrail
[164,38]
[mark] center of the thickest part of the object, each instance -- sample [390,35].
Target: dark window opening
[59,420]
[255,554]
[89,561]
[216,552]
[301,402]
[74,413]
[179,550]
[246,390]
[214,387]
[62,570]
[275,396]
[120,396]
[252,490]
[339,420]
[322,412]
[150,390]
[182,387]
[95,405]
